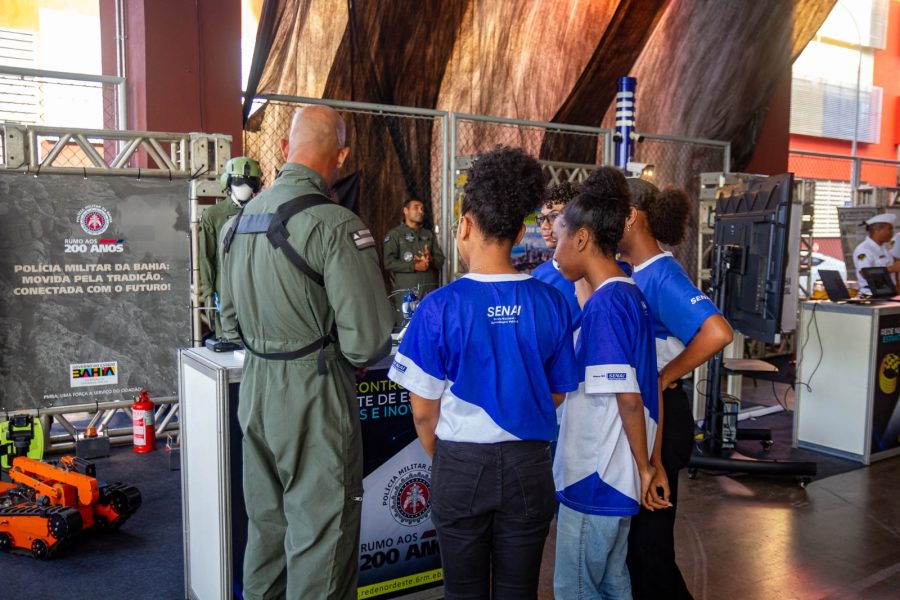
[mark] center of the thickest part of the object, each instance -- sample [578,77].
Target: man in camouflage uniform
[411,253]
[240,180]
[305,330]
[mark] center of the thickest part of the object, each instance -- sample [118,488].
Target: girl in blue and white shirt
[688,330]
[485,360]
[602,467]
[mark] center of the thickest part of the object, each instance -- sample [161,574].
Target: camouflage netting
[705,68]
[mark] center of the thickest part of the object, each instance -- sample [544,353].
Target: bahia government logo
[94,219]
[408,495]
[91,374]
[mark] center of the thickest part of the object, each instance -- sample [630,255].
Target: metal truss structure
[559,172]
[102,414]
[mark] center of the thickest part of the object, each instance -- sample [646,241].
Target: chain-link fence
[678,161]
[566,153]
[571,152]
[398,152]
[404,152]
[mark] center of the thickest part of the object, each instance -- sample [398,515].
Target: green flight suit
[211,222]
[401,246]
[302,448]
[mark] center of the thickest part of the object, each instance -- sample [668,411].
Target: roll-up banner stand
[399,553]
[95,278]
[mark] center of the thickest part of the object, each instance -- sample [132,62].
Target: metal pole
[451,266]
[854,175]
[66,75]
[854,159]
[121,93]
[446,210]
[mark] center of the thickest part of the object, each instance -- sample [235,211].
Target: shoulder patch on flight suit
[861,257]
[387,238]
[363,239]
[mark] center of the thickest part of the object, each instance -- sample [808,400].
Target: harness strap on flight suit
[320,345]
[274,226]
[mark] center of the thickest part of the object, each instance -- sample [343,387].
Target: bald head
[317,140]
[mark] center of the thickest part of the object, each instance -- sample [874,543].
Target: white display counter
[847,389]
[399,554]
[207,389]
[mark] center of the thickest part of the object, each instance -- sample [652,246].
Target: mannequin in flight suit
[240,181]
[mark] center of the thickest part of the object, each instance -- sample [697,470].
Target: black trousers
[492,505]
[651,541]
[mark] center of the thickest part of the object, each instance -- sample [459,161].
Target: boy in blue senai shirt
[555,199]
[486,359]
[602,468]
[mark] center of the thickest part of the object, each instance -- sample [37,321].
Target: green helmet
[243,167]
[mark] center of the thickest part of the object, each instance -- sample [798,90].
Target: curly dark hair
[503,187]
[668,210]
[601,207]
[561,193]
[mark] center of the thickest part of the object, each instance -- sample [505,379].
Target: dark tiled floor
[753,538]
[745,538]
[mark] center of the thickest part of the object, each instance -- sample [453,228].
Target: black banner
[399,551]
[95,280]
[885,409]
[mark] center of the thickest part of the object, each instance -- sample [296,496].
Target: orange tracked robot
[47,504]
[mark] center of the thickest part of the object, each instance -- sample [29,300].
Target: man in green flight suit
[302,288]
[412,254]
[240,180]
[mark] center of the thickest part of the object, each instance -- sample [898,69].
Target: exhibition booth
[101,262]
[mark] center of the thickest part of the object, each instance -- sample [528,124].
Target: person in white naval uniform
[874,251]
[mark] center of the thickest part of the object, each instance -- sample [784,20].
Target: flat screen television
[750,238]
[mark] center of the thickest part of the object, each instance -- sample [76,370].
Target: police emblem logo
[94,219]
[363,239]
[407,256]
[409,237]
[861,257]
[409,497]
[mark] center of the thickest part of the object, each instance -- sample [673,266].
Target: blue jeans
[590,556]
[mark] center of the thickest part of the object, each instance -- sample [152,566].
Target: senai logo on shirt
[504,311]
[399,367]
[617,376]
[501,315]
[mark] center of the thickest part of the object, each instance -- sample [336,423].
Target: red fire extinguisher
[142,414]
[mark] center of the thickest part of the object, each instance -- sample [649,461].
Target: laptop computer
[835,286]
[881,283]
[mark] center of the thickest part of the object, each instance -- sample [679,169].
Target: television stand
[720,431]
